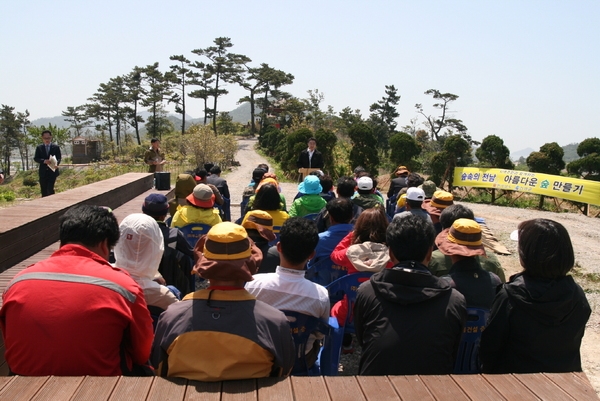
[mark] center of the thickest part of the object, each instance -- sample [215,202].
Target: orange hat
[464,238]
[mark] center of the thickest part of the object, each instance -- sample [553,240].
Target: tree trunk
[541,204]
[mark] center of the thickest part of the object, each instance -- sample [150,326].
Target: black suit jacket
[41,155]
[315,162]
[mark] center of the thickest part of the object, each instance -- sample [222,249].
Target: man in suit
[42,156]
[309,160]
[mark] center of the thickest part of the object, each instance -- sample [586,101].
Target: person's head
[208,166]
[201,173]
[154,143]
[184,185]
[415,197]
[410,238]
[364,185]
[414,180]
[215,170]
[358,171]
[545,248]
[267,198]
[89,226]
[439,201]
[202,197]
[310,186]
[258,174]
[263,166]
[345,187]
[326,183]
[454,212]
[141,246]
[340,210]
[312,143]
[370,226]
[267,180]
[429,188]
[462,239]
[298,239]
[261,222]
[402,171]
[156,206]
[47,137]
[228,255]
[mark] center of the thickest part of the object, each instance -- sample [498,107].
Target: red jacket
[71,314]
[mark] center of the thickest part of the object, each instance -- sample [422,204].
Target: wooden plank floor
[554,386]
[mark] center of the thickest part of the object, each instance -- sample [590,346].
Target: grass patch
[590,282]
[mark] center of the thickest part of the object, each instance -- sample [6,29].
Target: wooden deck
[31,226]
[551,386]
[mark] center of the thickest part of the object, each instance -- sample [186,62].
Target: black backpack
[175,266]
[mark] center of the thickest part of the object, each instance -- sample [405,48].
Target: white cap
[364,183]
[415,194]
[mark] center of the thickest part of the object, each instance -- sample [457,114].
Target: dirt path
[583,230]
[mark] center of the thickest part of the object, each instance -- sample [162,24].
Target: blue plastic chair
[194,231]
[467,358]
[311,216]
[302,326]
[324,272]
[225,209]
[348,286]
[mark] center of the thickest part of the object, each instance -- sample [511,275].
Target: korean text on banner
[574,189]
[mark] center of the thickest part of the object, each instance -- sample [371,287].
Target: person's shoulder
[260,279]
[269,313]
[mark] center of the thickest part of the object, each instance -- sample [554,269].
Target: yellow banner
[574,189]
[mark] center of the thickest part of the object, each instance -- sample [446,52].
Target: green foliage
[363,153]
[588,166]
[225,124]
[223,67]
[270,139]
[383,117]
[404,150]
[200,145]
[548,160]
[435,125]
[326,141]
[493,153]
[455,153]
[294,143]
[7,195]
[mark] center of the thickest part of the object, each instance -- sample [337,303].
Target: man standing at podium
[309,159]
[154,157]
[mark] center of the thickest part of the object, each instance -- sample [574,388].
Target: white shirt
[287,289]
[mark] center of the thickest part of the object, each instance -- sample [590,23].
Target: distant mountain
[59,121]
[240,114]
[515,156]
[570,152]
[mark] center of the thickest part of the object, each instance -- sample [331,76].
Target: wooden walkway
[554,386]
[31,226]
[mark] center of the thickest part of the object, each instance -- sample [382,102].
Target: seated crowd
[427,263]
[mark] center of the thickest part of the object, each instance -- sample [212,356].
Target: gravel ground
[502,221]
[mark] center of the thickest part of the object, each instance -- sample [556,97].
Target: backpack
[175,266]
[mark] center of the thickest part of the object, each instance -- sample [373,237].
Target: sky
[526,71]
